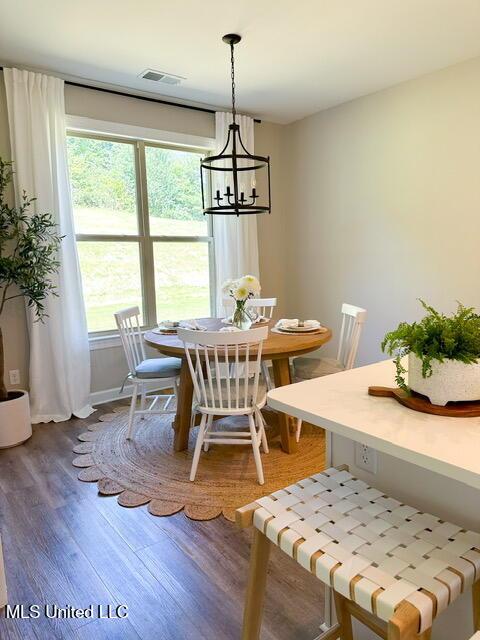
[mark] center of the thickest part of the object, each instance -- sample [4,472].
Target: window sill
[107,341]
[104,342]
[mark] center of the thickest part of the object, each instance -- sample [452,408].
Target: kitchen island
[431,462]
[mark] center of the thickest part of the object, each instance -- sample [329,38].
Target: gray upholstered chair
[164,372]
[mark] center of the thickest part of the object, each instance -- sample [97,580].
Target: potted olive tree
[28,258]
[443,355]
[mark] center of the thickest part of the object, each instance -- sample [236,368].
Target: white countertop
[341,404]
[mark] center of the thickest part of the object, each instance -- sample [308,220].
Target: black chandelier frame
[237,161]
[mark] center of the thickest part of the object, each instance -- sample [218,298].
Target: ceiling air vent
[160,76]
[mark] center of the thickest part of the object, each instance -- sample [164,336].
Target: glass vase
[241,318]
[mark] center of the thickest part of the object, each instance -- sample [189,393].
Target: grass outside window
[142,237]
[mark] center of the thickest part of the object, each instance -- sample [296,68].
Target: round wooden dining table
[278,348]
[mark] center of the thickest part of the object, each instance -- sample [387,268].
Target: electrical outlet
[365,457]
[14,375]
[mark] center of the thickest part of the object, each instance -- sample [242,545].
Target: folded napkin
[193,325]
[291,323]
[231,329]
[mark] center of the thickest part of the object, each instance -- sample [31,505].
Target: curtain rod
[146,98]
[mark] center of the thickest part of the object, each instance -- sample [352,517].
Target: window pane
[102,176]
[111,280]
[182,282]
[174,193]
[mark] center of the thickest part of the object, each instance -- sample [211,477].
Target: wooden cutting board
[421,403]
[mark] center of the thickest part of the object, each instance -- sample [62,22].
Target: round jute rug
[146,470]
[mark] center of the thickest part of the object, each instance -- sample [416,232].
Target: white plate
[165,330]
[298,329]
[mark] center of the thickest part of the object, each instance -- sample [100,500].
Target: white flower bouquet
[242,290]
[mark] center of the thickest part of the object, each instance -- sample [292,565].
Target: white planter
[15,423]
[451,380]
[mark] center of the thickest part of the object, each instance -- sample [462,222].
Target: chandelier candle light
[242,290]
[239,164]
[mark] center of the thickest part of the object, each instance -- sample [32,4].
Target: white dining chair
[164,372]
[261,307]
[222,387]
[353,319]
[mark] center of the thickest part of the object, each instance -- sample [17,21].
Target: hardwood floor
[181,580]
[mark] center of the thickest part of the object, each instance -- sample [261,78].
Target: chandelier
[238,194]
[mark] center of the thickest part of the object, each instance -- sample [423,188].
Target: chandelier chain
[232,60]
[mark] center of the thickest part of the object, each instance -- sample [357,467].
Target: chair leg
[343,616]
[299,430]
[131,415]
[256,449]
[143,399]
[193,417]
[476,605]
[266,375]
[261,428]
[257,579]
[198,448]
[176,390]
[206,445]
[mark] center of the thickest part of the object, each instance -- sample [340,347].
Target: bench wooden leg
[476,605]
[343,616]
[405,624]
[257,578]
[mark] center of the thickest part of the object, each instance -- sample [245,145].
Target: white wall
[13,320]
[383,200]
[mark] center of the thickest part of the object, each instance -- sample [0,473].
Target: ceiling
[296,57]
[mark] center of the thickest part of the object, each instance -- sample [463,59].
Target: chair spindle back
[261,306]
[353,319]
[215,360]
[128,323]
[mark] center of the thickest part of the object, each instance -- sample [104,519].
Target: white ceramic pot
[451,380]
[15,423]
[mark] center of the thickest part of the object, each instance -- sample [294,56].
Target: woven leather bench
[390,565]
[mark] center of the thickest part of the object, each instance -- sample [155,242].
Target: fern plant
[28,257]
[435,337]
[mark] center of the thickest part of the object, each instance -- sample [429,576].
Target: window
[141,235]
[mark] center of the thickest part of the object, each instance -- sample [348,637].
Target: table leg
[181,423]
[281,375]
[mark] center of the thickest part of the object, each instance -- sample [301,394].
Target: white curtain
[59,351]
[236,242]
